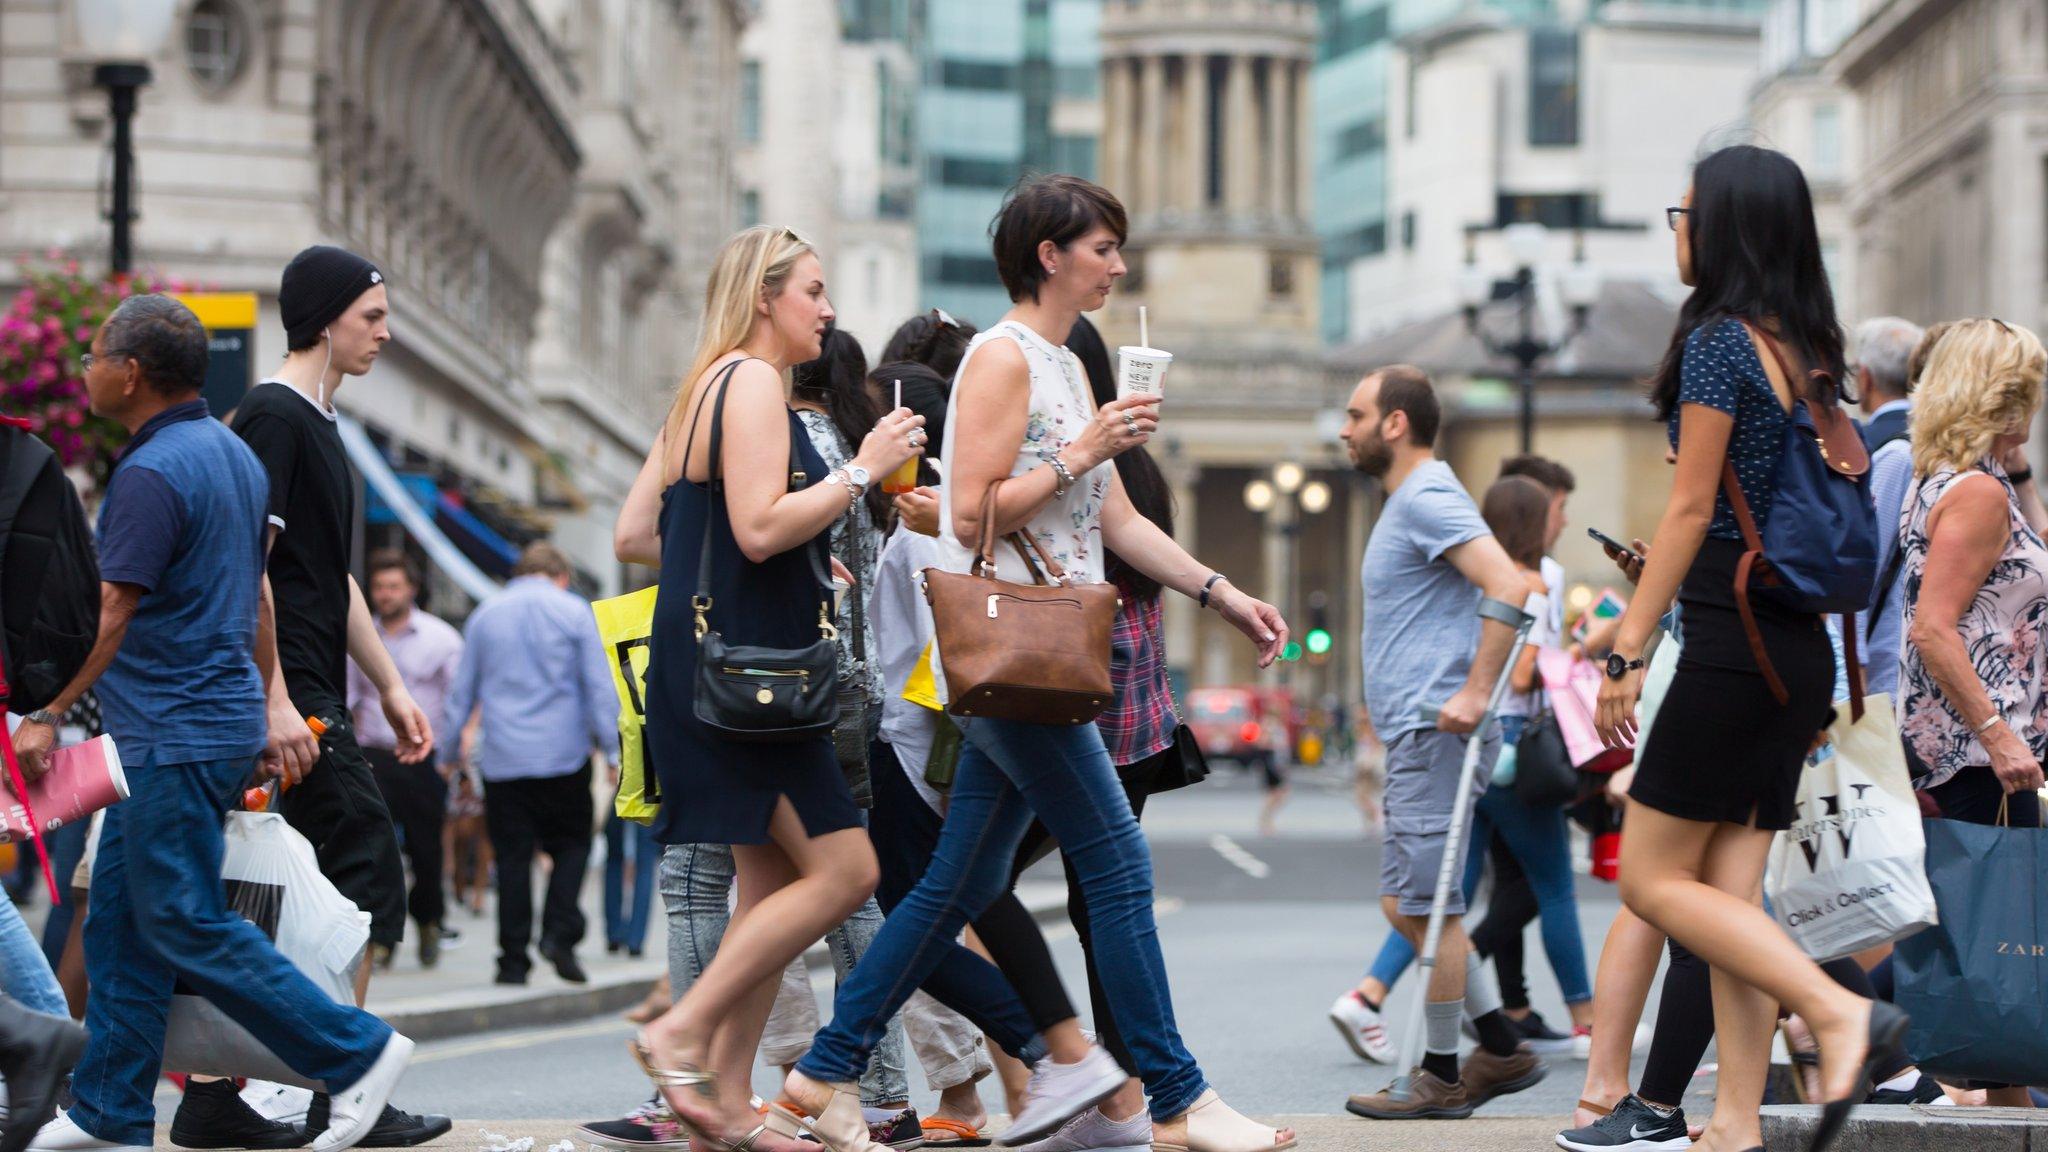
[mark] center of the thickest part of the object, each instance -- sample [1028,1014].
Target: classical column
[1192,195]
[1279,143]
[1240,136]
[1304,171]
[1115,147]
[1151,144]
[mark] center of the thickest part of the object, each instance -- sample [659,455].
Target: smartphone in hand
[1614,544]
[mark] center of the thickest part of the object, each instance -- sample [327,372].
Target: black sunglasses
[1671,216]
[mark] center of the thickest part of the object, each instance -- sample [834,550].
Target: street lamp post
[1281,500]
[1476,287]
[121,37]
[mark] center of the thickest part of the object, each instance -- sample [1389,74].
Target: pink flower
[82,334]
[74,417]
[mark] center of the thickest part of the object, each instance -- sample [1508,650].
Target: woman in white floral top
[1974,697]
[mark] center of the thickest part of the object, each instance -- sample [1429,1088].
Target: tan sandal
[1213,1126]
[701,1082]
[840,1126]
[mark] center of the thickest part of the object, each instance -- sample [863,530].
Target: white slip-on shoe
[354,1110]
[1059,1092]
[1091,1131]
[62,1135]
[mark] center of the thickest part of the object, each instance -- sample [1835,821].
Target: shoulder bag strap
[713,481]
[1753,549]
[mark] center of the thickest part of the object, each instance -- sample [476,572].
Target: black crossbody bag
[750,693]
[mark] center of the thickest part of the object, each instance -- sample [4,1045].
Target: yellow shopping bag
[625,623]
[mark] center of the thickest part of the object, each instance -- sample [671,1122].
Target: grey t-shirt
[1421,615]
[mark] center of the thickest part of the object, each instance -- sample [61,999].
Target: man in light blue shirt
[1884,347]
[534,666]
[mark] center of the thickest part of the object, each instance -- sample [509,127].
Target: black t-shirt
[312,503]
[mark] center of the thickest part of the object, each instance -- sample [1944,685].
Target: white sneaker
[1091,1131]
[1363,1028]
[354,1110]
[61,1135]
[280,1102]
[1059,1092]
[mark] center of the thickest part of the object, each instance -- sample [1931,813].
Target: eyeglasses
[1671,216]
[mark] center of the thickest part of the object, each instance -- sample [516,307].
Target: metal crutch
[1448,872]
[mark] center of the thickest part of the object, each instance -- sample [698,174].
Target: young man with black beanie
[335,309]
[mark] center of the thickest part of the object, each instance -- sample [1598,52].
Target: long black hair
[1143,481]
[1756,257]
[837,382]
[935,339]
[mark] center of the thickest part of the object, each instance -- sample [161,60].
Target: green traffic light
[1291,653]
[1318,641]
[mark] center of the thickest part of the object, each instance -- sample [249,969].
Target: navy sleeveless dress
[714,790]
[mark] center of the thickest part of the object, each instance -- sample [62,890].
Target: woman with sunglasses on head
[1717,774]
[764,515]
[1022,416]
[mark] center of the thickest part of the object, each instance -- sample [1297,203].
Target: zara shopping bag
[1848,874]
[1976,984]
[274,881]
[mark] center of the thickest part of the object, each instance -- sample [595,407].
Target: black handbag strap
[715,481]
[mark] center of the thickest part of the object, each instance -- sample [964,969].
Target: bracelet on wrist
[1062,478]
[1989,722]
[2020,477]
[1209,585]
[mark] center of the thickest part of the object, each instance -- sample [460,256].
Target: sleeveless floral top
[2001,630]
[1061,406]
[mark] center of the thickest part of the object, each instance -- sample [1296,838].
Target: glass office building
[1009,87]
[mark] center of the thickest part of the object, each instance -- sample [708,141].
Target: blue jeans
[623,926]
[1539,839]
[159,917]
[1007,773]
[24,972]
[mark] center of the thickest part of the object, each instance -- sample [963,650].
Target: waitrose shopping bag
[625,623]
[1849,874]
[1976,984]
[273,880]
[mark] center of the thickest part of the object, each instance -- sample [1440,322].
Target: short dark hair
[1517,509]
[164,339]
[391,559]
[1541,469]
[1406,389]
[1917,363]
[1061,209]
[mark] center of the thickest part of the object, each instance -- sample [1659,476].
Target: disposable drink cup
[1141,371]
[903,479]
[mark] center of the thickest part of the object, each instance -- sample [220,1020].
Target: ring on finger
[1131,423]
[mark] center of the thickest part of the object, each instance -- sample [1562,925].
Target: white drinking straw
[899,394]
[1144,334]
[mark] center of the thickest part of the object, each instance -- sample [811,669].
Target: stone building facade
[539,180]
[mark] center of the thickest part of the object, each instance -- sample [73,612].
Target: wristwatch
[858,477]
[1618,666]
[43,716]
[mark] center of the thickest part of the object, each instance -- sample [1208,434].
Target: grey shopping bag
[1976,984]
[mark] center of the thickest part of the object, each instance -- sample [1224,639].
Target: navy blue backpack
[1819,552]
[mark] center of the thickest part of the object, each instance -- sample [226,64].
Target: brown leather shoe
[1486,1075]
[1428,1099]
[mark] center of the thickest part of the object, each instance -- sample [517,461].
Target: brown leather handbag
[1036,653]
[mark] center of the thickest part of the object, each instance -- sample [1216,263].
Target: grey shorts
[1422,783]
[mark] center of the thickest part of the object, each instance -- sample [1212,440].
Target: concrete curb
[492,1009]
[1913,1129]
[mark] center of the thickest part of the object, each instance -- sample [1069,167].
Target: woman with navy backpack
[1748,391]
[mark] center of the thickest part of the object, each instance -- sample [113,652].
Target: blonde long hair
[750,267]
[1982,381]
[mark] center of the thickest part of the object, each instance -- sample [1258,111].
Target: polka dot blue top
[1721,370]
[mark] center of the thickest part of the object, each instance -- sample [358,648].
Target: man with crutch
[1443,610]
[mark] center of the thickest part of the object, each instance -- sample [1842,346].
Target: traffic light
[1318,638]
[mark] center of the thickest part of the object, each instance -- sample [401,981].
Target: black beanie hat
[319,284]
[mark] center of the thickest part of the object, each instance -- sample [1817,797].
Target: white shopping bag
[1850,873]
[274,881]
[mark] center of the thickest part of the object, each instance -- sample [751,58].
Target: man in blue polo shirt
[176,665]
